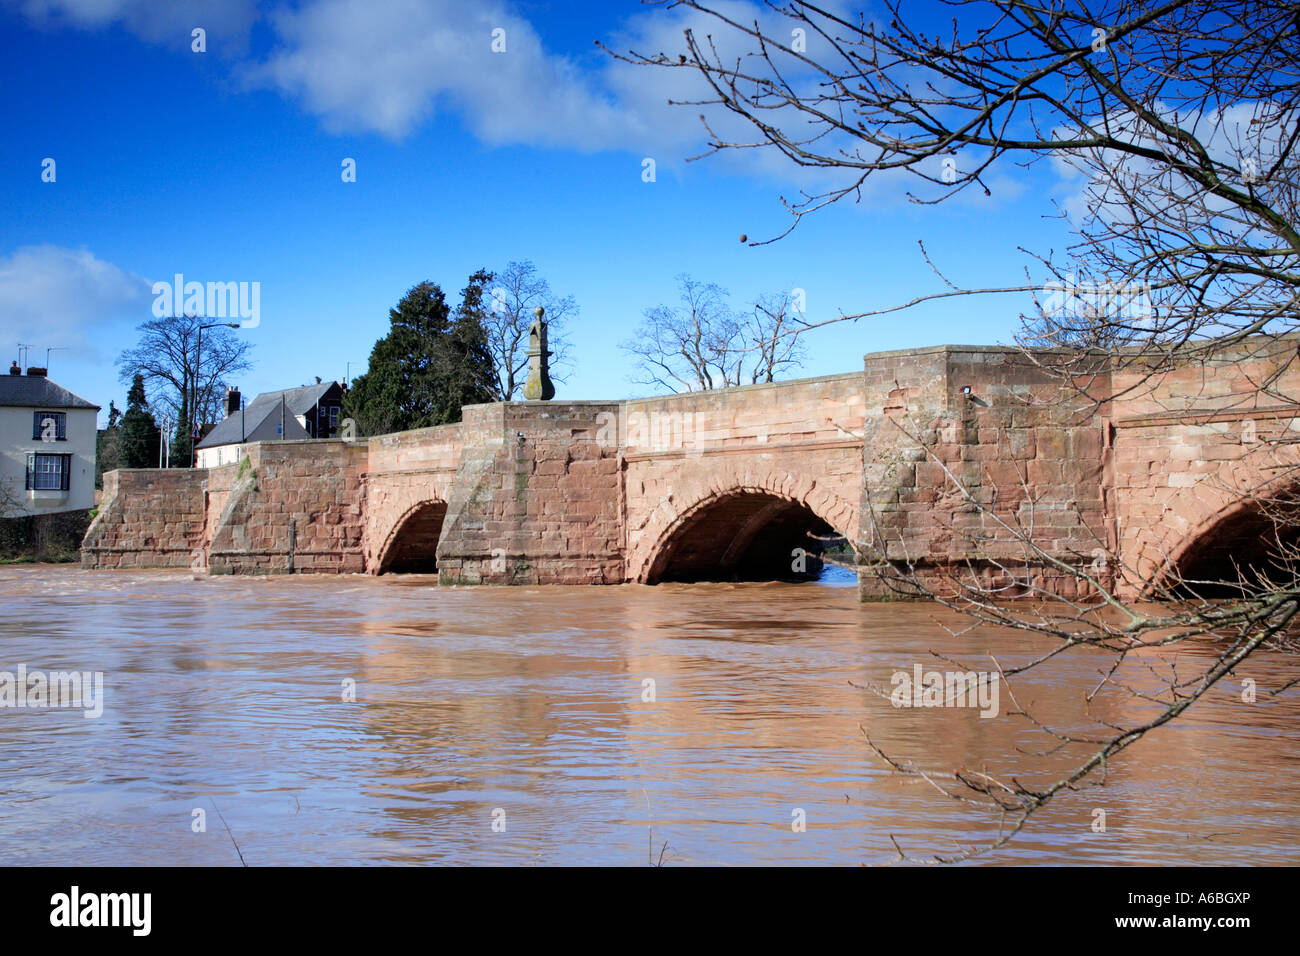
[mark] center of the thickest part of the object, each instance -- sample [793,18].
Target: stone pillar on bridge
[538,386]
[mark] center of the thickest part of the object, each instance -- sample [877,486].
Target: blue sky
[225,166]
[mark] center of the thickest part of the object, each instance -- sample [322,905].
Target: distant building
[47,445]
[317,407]
[291,414]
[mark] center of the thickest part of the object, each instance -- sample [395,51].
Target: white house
[47,446]
[291,414]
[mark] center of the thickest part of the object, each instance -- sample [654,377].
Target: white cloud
[386,68]
[167,22]
[390,68]
[51,296]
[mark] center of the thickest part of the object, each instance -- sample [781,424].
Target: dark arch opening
[414,548]
[750,536]
[1259,543]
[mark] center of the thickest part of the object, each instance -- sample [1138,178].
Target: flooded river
[688,724]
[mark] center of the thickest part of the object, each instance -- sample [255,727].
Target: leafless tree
[770,330]
[516,291]
[168,356]
[1179,120]
[703,343]
[684,348]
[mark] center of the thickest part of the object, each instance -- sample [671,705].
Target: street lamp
[164,443]
[198,357]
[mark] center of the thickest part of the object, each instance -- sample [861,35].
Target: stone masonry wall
[147,519]
[293,507]
[536,499]
[1018,445]
[895,457]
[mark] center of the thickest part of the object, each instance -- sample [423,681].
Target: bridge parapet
[421,449]
[803,412]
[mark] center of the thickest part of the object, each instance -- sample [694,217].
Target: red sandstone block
[1085,443]
[1004,475]
[1043,472]
[930,474]
[982,453]
[1052,444]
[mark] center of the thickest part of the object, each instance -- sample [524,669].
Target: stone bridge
[1166,472]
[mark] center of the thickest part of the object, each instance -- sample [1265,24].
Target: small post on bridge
[538,386]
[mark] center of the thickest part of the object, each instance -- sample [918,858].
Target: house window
[48,472]
[334,417]
[49,426]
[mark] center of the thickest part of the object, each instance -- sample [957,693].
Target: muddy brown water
[528,708]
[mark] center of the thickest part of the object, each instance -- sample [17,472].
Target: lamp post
[198,358]
[164,443]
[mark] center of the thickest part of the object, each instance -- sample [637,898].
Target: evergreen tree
[182,449]
[140,438]
[108,443]
[465,371]
[428,366]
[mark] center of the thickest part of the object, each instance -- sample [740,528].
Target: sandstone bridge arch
[741,525]
[411,543]
[1216,535]
[1242,541]
[1209,526]
[405,493]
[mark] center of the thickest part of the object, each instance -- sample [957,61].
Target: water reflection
[534,701]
